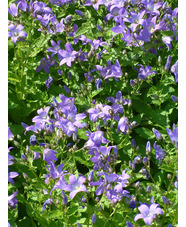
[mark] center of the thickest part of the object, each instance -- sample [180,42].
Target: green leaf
[85,28]
[94,93]
[145,133]
[167,33]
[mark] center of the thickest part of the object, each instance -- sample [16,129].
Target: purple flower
[157,134]
[68,55]
[129,224]
[93,219]
[98,84]
[160,153]
[47,202]
[94,3]
[10,134]
[13,11]
[16,32]
[173,135]
[55,47]
[135,19]
[95,139]
[37,155]
[60,26]
[43,115]
[12,175]
[33,140]
[123,125]
[10,157]
[48,155]
[148,147]
[53,172]
[167,65]
[46,64]
[167,41]
[148,213]
[101,111]
[174,69]
[144,73]
[75,186]
[174,98]
[48,82]
[12,201]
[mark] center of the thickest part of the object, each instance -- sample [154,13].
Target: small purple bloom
[43,115]
[173,135]
[160,153]
[13,11]
[16,32]
[148,213]
[68,55]
[75,186]
[48,155]
[174,69]
[12,201]
[12,175]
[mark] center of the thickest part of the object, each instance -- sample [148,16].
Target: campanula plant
[93,113]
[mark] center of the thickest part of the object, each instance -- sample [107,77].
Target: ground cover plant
[93,113]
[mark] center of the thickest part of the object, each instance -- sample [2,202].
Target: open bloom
[75,186]
[16,32]
[148,213]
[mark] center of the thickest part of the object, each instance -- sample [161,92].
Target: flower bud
[167,65]
[157,134]
[145,160]
[26,177]
[33,140]
[129,224]
[137,159]
[148,189]
[78,224]
[91,175]
[23,157]
[93,219]
[174,98]
[159,60]
[99,28]
[16,143]
[169,176]
[165,200]
[97,199]
[148,148]
[137,184]
[133,144]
